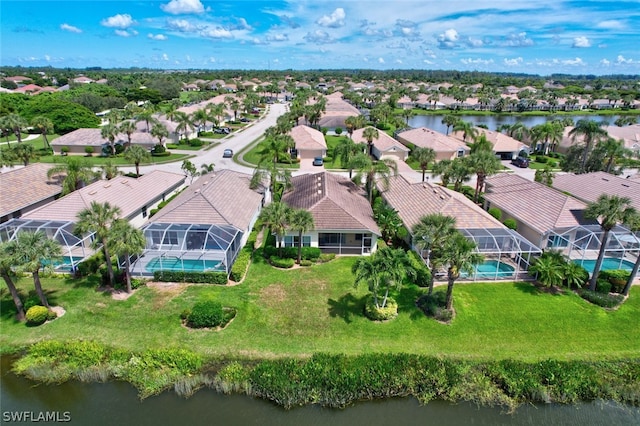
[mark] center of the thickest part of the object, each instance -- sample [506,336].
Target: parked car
[245,120]
[228,153]
[318,161]
[222,130]
[521,162]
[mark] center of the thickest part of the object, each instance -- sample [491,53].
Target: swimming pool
[492,269]
[187,265]
[607,263]
[64,263]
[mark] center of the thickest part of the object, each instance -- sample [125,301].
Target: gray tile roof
[335,202]
[220,198]
[23,187]
[415,200]
[589,186]
[127,193]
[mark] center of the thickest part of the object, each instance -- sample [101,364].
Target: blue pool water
[187,265]
[64,263]
[607,263]
[491,269]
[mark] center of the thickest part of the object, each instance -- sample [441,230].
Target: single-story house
[588,187]
[384,146]
[343,218]
[504,146]
[629,134]
[309,142]
[25,189]
[337,110]
[204,227]
[445,147]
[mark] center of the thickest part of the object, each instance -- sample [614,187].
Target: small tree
[89,150]
[126,241]
[189,170]
[300,220]
[137,154]
[459,255]
[423,156]
[276,216]
[7,274]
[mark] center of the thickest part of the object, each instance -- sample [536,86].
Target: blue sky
[530,36]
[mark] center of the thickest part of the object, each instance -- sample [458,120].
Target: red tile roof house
[501,246]
[25,189]
[504,146]
[446,147]
[336,111]
[204,227]
[588,187]
[309,142]
[383,147]
[343,218]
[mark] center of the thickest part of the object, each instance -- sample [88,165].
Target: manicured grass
[97,160]
[252,157]
[303,311]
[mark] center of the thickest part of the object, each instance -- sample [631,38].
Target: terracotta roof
[306,137]
[428,138]
[335,202]
[589,186]
[218,198]
[28,88]
[415,200]
[383,143]
[500,141]
[540,207]
[629,134]
[127,193]
[336,111]
[21,188]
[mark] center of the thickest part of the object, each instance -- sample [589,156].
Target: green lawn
[316,309]
[252,157]
[97,160]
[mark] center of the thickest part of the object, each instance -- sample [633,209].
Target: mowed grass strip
[316,309]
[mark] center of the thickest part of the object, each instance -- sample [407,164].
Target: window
[358,237]
[557,241]
[292,241]
[144,211]
[460,152]
[170,238]
[330,239]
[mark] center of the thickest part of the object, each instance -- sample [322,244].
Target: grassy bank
[304,311]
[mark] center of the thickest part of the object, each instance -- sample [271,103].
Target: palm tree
[99,219]
[467,129]
[25,153]
[206,168]
[6,272]
[430,234]
[184,124]
[483,164]
[77,173]
[345,150]
[31,251]
[16,124]
[634,224]
[160,132]
[279,179]
[423,156]
[549,132]
[544,175]
[591,131]
[109,169]
[609,211]
[44,126]
[373,170]
[353,123]
[200,117]
[387,219]
[300,220]
[109,132]
[366,271]
[613,150]
[449,121]
[146,115]
[137,154]
[234,105]
[459,254]
[126,241]
[276,216]
[127,128]
[548,270]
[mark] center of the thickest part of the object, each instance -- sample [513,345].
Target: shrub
[495,212]
[326,257]
[195,142]
[541,159]
[310,253]
[191,277]
[338,131]
[324,130]
[510,223]
[91,264]
[207,313]
[241,264]
[371,311]
[161,154]
[423,274]
[37,315]
[172,146]
[617,277]
[158,149]
[434,306]
[185,314]
[64,150]
[89,150]
[280,262]
[603,286]
[306,263]
[51,315]
[604,300]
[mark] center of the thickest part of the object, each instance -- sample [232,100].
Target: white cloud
[47,58]
[381,60]
[448,39]
[513,62]
[398,61]
[518,40]
[70,28]
[157,36]
[181,25]
[319,37]
[165,57]
[426,61]
[126,33]
[335,20]
[476,61]
[605,62]
[622,60]
[474,42]
[217,32]
[576,61]
[118,21]
[581,41]
[257,41]
[183,7]
[277,37]
[241,25]
[212,60]
[611,25]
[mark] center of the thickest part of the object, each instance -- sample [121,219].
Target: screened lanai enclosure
[188,248]
[582,243]
[74,249]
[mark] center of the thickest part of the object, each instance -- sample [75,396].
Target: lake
[117,403]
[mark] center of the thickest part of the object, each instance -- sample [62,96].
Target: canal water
[117,403]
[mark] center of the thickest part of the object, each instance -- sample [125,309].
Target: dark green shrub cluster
[172,146]
[423,274]
[434,306]
[91,264]
[495,212]
[603,286]
[207,313]
[191,277]
[308,253]
[510,223]
[600,299]
[280,262]
[158,149]
[616,277]
[37,315]
[195,142]
[371,311]
[306,263]
[239,268]
[162,154]
[541,159]
[326,257]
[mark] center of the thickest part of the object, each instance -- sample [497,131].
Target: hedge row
[239,268]
[308,253]
[191,277]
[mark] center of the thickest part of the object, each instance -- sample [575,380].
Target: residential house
[337,110]
[588,187]
[384,146]
[504,146]
[309,142]
[25,189]
[445,147]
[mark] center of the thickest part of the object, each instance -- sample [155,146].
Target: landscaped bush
[161,154]
[306,263]
[495,212]
[172,146]
[541,159]
[91,264]
[371,311]
[195,142]
[241,264]
[510,223]
[423,274]
[604,300]
[191,277]
[37,315]
[308,253]
[280,262]
[326,257]
[603,286]
[207,313]
[617,277]
[434,306]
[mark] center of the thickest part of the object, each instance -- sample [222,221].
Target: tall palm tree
[7,274]
[468,130]
[160,132]
[613,150]
[200,118]
[366,271]
[234,105]
[276,216]
[423,156]
[146,115]
[301,221]
[591,131]
[16,124]
[353,123]
[44,126]
[126,241]
[31,251]
[430,234]
[25,153]
[109,132]
[137,154]
[483,164]
[184,124]
[545,134]
[109,169]
[372,171]
[450,121]
[128,128]
[394,266]
[99,219]
[345,150]
[609,211]
[77,173]
[459,254]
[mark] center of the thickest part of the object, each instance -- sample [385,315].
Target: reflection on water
[116,403]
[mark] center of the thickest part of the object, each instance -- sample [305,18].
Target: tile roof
[415,200]
[307,138]
[129,194]
[383,143]
[21,188]
[427,138]
[500,141]
[218,198]
[589,186]
[629,134]
[335,202]
[80,137]
[540,207]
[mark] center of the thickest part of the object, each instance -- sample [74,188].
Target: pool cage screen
[188,248]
